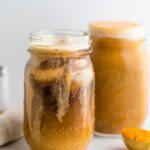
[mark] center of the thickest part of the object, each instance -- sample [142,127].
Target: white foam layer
[134,33]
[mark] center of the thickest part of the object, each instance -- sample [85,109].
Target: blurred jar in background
[59,91]
[4,89]
[121,74]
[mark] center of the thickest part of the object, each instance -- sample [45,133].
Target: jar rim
[67,40]
[38,33]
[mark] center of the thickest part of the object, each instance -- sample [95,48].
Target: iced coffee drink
[59,92]
[121,74]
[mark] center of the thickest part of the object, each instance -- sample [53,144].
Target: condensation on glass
[59,91]
[121,74]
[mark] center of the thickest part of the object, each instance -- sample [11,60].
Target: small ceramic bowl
[134,145]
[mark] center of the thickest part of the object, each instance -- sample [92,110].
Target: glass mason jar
[121,75]
[59,91]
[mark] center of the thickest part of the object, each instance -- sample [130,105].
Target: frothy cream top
[123,30]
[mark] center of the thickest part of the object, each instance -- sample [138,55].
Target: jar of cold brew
[121,75]
[59,91]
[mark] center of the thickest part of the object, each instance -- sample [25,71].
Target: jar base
[107,135]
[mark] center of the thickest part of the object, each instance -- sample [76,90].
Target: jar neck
[43,52]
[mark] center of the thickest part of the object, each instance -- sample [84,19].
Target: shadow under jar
[59,91]
[121,75]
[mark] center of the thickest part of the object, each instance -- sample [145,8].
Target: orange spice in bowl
[136,139]
[136,134]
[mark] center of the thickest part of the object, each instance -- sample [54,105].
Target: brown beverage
[121,74]
[59,93]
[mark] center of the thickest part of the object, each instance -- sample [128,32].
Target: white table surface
[98,143]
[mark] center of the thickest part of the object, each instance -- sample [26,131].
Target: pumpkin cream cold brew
[59,92]
[121,74]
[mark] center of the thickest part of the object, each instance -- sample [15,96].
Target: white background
[19,17]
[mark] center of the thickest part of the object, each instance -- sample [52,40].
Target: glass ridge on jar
[121,75]
[59,91]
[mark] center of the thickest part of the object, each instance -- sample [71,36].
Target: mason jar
[121,75]
[59,91]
